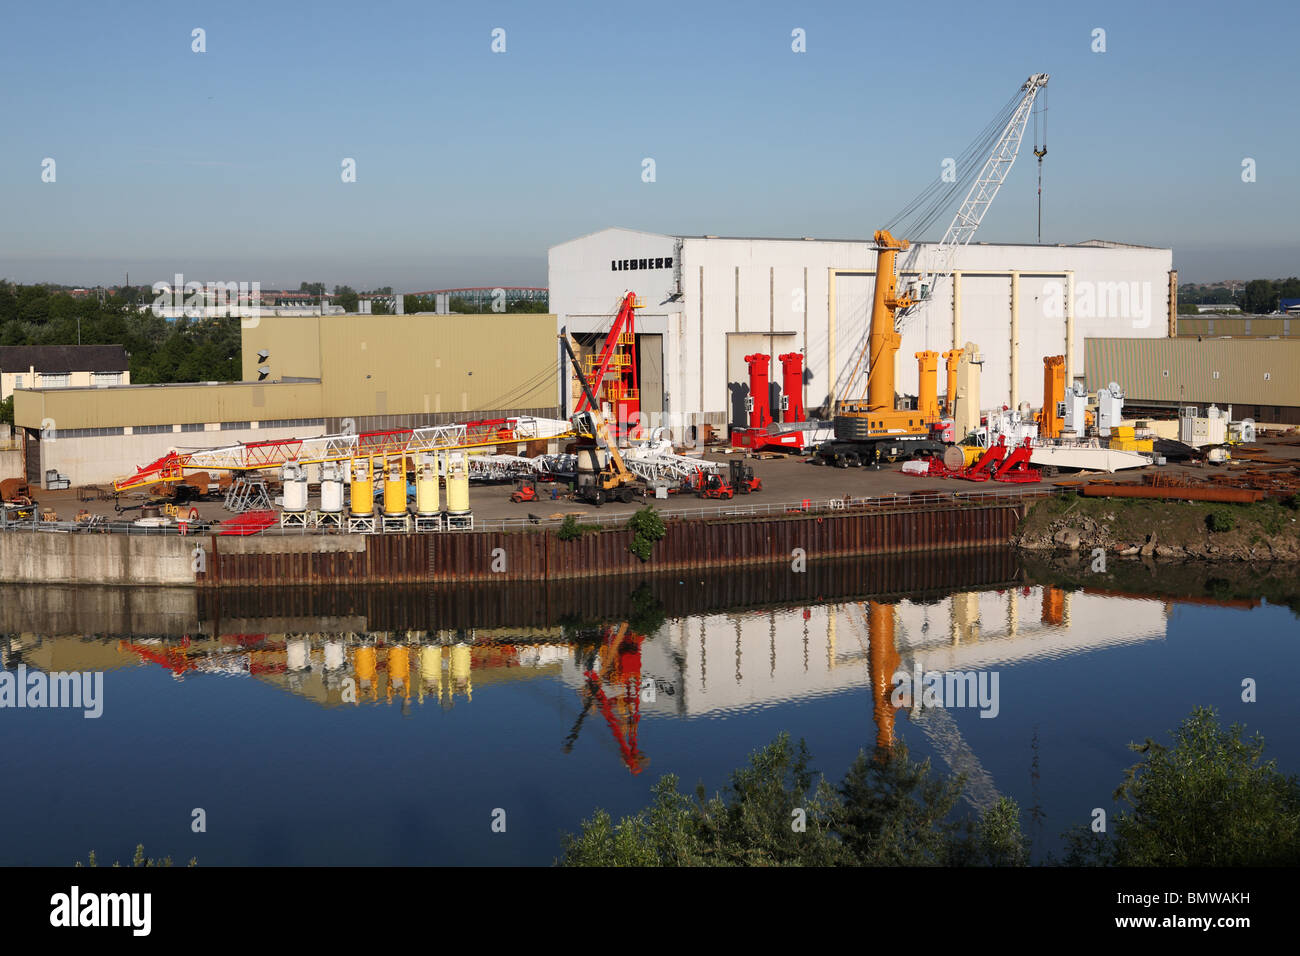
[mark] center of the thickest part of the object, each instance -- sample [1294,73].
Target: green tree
[527,306]
[896,811]
[346,296]
[1259,297]
[1209,800]
[775,812]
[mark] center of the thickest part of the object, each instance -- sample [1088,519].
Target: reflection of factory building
[303,376]
[710,301]
[729,662]
[694,666]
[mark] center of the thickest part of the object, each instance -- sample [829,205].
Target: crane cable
[919,214]
[1040,153]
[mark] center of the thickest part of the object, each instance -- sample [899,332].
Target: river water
[474,726]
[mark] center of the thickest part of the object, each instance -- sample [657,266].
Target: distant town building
[61,366]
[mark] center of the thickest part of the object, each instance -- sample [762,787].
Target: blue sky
[225,165]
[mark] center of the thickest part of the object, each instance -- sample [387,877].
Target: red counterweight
[792,386]
[760,413]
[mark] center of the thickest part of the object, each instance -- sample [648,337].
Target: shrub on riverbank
[647,527]
[139,860]
[1207,800]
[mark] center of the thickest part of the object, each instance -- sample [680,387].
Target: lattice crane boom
[981,194]
[253,456]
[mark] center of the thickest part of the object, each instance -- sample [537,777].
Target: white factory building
[710,301]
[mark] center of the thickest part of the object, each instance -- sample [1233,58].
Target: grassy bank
[1189,579]
[1264,531]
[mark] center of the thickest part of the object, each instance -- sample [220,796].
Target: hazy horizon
[227,164]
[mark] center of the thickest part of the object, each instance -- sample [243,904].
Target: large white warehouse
[710,301]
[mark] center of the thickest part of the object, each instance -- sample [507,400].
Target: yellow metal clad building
[1259,378]
[303,376]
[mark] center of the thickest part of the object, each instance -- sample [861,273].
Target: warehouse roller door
[740,344]
[650,374]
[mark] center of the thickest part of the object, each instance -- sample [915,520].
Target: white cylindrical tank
[331,487]
[334,659]
[296,653]
[294,477]
[363,487]
[427,492]
[592,460]
[457,484]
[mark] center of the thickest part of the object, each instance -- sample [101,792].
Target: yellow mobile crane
[873,428]
[602,474]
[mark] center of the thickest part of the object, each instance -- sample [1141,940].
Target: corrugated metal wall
[168,404]
[429,364]
[1262,372]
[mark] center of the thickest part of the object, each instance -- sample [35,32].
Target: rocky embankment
[1267,531]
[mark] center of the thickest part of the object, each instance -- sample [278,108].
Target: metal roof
[63,358]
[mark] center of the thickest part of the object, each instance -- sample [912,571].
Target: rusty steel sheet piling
[539,555]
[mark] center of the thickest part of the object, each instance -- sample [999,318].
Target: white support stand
[425,523]
[461,522]
[296,519]
[248,494]
[327,519]
[397,524]
[362,524]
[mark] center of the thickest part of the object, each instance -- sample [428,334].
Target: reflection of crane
[616,663]
[936,723]
[174,660]
[882,664]
[946,739]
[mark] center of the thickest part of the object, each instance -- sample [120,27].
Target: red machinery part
[792,386]
[760,413]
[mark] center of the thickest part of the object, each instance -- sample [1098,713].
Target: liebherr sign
[659,262]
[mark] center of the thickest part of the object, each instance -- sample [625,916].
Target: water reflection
[565,698]
[698,665]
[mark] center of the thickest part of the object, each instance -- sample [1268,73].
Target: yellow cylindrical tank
[460,669]
[427,493]
[972,453]
[363,662]
[457,485]
[363,487]
[399,671]
[431,668]
[395,487]
[927,398]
